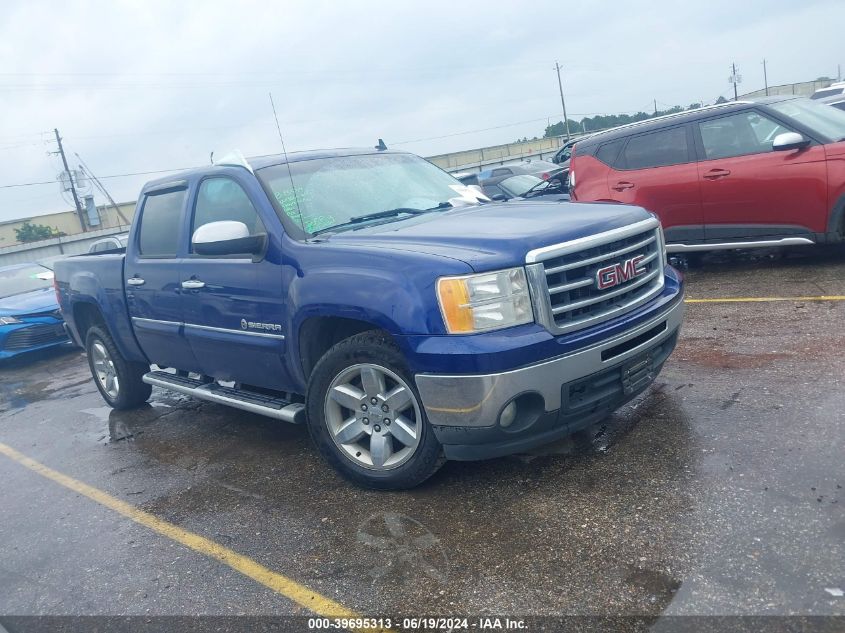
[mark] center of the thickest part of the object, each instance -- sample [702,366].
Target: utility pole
[102,188]
[734,79]
[562,102]
[655,107]
[765,78]
[70,181]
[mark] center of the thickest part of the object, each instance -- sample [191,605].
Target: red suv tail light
[545,176]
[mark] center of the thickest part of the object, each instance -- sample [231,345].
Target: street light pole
[562,102]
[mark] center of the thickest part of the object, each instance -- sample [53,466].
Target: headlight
[9,321]
[486,301]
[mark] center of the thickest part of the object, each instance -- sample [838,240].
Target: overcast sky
[142,86]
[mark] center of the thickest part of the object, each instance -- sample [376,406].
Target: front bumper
[554,397]
[31,335]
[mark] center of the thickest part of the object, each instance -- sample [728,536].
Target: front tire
[118,380]
[366,417]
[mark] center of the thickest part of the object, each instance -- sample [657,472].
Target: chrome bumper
[477,400]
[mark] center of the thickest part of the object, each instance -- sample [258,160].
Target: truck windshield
[18,280]
[819,117]
[329,192]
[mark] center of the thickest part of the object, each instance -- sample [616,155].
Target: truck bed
[93,284]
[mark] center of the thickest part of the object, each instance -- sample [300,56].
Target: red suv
[735,175]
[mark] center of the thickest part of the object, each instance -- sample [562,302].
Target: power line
[485,129]
[406,142]
[101,187]
[137,173]
[336,69]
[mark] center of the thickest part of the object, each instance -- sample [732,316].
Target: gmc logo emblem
[616,274]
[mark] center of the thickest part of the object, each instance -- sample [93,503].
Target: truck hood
[42,300]
[494,235]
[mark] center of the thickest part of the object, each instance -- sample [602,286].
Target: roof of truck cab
[260,162]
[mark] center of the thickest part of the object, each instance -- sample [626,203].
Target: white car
[836,88]
[109,243]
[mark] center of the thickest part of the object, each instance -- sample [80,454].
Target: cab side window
[738,134]
[222,199]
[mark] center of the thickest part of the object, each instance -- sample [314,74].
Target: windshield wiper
[534,188]
[378,215]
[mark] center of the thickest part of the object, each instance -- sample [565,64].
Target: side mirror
[499,197]
[788,141]
[226,238]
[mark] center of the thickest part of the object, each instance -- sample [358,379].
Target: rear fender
[85,288]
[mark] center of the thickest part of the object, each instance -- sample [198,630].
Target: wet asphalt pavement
[719,491]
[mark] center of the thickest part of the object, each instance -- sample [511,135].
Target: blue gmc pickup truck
[404,317]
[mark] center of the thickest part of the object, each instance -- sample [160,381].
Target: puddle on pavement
[659,587]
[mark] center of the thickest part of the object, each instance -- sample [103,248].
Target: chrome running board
[251,401]
[722,246]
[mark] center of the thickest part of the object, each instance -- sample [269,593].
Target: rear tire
[387,444]
[119,381]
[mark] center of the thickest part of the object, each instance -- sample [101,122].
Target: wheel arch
[318,334]
[836,221]
[85,315]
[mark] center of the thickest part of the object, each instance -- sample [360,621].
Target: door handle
[193,284]
[135,281]
[622,185]
[713,174]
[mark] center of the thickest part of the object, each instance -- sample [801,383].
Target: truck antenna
[287,164]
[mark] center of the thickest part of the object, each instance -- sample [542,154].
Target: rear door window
[161,218]
[657,149]
[609,152]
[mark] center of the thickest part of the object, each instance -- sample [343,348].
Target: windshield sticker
[293,205]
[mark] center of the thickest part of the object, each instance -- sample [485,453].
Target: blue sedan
[29,315]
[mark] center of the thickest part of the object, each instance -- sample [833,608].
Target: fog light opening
[521,412]
[508,415]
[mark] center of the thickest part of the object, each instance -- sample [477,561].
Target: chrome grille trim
[569,307]
[598,258]
[583,243]
[565,296]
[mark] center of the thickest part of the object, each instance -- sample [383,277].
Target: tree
[606,121]
[29,232]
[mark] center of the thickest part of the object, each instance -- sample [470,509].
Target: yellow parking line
[283,585]
[766,299]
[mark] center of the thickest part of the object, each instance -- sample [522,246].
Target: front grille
[35,335]
[565,277]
